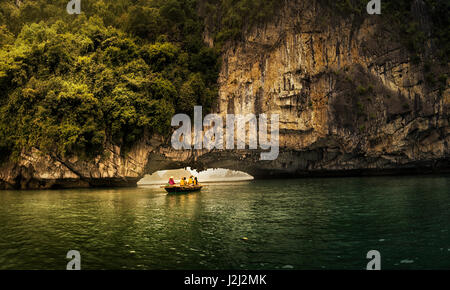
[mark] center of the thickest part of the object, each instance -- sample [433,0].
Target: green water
[300,224]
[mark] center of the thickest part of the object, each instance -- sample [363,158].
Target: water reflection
[305,224]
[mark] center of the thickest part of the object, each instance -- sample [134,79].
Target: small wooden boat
[174,189]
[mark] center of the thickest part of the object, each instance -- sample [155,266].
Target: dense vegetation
[70,84]
[229,19]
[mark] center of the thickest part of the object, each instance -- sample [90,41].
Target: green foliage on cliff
[230,18]
[417,22]
[69,84]
[421,24]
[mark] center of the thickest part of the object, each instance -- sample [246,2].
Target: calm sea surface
[290,224]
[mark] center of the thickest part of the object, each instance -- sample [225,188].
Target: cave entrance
[210,175]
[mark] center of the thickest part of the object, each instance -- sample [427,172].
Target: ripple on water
[305,223]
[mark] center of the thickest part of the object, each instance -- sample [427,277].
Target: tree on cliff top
[70,84]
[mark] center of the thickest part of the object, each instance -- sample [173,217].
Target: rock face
[38,171]
[350,98]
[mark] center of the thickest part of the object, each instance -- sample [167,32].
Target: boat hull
[182,189]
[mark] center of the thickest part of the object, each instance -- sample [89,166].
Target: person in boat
[183,181]
[191,180]
[171,181]
[195,181]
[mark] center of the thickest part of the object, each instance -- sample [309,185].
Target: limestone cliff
[349,96]
[36,170]
[351,101]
